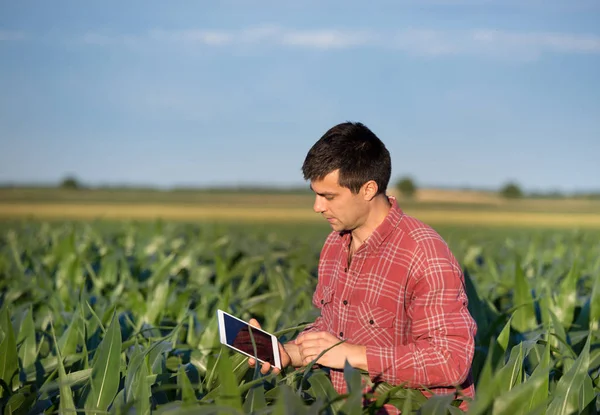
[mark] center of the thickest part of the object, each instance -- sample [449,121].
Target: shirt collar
[383,230]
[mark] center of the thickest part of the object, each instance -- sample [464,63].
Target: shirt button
[341,334]
[322,301]
[345,302]
[345,269]
[371,322]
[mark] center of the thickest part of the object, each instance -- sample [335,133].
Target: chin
[337,227]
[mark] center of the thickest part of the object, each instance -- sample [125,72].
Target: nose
[318,205]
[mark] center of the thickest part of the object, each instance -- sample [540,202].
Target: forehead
[329,184]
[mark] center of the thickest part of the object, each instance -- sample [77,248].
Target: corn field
[121,319]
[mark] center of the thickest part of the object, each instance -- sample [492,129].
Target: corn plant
[121,318]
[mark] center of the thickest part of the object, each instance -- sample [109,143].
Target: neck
[378,210]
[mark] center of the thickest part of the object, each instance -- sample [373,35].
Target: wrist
[358,356]
[292,350]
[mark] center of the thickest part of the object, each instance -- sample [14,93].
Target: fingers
[303,338]
[307,360]
[254,323]
[309,354]
[265,367]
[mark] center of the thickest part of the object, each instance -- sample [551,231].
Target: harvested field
[89,211]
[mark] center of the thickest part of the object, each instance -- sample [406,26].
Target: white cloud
[558,42]
[207,37]
[106,39]
[423,42]
[327,39]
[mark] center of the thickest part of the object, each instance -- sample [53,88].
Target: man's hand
[310,345]
[285,357]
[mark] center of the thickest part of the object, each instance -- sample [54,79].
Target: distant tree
[511,191]
[406,186]
[70,182]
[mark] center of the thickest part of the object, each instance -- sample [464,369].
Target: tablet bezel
[223,338]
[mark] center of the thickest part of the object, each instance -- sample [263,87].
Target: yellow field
[146,211]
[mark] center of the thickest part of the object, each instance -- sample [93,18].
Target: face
[343,210]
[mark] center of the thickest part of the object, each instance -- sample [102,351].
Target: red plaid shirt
[404,298]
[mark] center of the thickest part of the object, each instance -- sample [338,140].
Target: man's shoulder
[419,234]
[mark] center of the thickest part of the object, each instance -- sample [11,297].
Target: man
[387,283]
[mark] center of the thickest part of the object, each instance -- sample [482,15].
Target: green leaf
[566,395]
[136,362]
[567,297]
[28,350]
[157,302]
[71,379]
[540,395]
[517,400]
[230,393]
[72,336]
[19,403]
[353,403]
[239,363]
[156,355]
[476,306]
[504,336]
[188,395]
[511,374]
[485,384]
[586,394]
[66,394]
[106,373]
[9,363]
[546,303]
[352,377]
[398,396]
[524,314]
[407,406]
[595,304]
[560,341]
[288,403]
[437,405]
[142,389]
[255,399]
[322,388]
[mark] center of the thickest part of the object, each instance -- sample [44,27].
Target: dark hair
[353,149]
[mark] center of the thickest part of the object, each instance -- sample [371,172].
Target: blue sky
[463,92]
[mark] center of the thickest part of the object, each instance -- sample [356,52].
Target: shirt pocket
[324,301]
[374,325]
[325,296]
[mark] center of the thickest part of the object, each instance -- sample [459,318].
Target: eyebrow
[323,194]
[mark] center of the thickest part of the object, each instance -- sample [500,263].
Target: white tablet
[235,334]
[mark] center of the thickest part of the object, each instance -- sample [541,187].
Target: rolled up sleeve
[443,332]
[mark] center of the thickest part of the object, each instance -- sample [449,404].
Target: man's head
[348,168]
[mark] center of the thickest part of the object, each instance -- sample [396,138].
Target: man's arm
[290,352]
[311,345]
[443,331]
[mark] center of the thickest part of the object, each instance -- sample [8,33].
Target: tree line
[408,188]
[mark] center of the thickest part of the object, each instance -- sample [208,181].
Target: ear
[370,189]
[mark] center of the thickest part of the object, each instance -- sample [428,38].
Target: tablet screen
[238,336]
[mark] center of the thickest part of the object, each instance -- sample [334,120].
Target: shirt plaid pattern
[404,298]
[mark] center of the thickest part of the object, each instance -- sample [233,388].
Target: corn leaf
[523,318]
[106,369]
[8,350]
[568,388]
[28,349]
[230,393]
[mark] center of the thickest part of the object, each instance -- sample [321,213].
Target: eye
[329,197]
